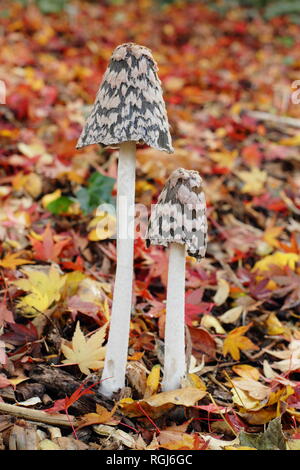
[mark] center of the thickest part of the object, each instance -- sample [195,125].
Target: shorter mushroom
[179,220]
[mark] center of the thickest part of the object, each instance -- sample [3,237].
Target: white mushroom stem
[117,345]
[175,364]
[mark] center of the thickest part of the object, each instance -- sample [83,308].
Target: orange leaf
[236,342]
[11,260]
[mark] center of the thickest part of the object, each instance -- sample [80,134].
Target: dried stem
[36,415]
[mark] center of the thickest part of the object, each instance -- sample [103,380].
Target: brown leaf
[203,344]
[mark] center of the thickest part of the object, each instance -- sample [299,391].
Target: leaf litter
[57,271]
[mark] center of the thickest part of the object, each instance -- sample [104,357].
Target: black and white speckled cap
[180,214]
[129,104]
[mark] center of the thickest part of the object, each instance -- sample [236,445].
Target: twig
[189,348]
[36,415]
[216,382]
[272,117]
[289,203]
[222,416]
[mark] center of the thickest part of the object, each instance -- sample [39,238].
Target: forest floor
[57,271]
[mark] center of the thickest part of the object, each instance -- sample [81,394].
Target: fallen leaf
[203,343]
[6,316]
[222,293]
[276,259]
[116,434]
[12,260]
[231,315]
[102,416]
[210,322]
[47,246]
[272,439]
[254,181]
[246,371]
[236,342]
[152,382]
[255,389]
[158,404]
[178,440]
[44,287]
[4,382]
[274,326]
[87,354]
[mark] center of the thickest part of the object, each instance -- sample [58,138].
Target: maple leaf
[271,234]
[11,260]
[254,181]
[101,416]
[63,404]
[87,354]
[277,259]
[236,342]
[44,287]
[45,247]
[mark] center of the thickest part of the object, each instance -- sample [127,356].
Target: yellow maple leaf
[277,259]
[236,342]
[86,353]
[271,234]
[11,260]
[254,181]
[225,158]
[44,287]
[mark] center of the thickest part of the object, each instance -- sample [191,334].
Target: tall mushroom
[179,220]
[129,109]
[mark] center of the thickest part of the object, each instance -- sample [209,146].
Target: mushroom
[179,220]
[129,109]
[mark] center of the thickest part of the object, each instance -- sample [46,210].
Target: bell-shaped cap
[180,214]
[129,105]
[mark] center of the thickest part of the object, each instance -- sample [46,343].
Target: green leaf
[60,205]
[272,439]
[98,191]
[281,8]
[51,6]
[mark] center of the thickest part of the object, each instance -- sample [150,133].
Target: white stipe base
[174,363]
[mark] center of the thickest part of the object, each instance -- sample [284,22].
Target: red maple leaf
[47,249]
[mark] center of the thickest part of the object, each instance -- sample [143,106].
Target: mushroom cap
[129,104]
[180,214]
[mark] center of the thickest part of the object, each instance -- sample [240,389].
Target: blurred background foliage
[267,8]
